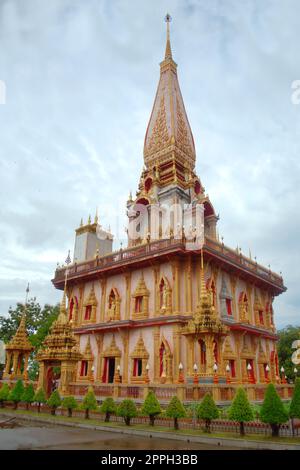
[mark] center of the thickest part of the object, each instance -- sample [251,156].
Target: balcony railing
[160,247]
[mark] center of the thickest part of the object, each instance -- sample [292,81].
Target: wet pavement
[32,436]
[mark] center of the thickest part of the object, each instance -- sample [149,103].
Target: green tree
[16,393]
[4,394]
[127,409]
[108,407]
[89,402]
[39,398]
[295,403]
[272,410]
[151,407]
[175,410]
[207,410]
[240,409]
[54,401]
[284,347]
[70,404]
[28,395]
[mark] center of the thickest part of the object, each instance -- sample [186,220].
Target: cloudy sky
[80,79]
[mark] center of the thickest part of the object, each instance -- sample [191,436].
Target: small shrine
[17,353]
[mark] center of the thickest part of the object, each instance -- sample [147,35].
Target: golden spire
[20,339]
[168,130]
[62,317]
[168,53]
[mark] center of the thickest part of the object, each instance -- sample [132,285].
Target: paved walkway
[38,433]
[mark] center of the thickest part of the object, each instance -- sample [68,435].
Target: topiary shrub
[175,410]
[54,401]
[294,411]
[39,398]
[4,394]
[127,409]
[70,404]
[272,411]
[151,407]
[28,395]
[240,409]
[89,402]
[207,410]
[108,407]
[16,393]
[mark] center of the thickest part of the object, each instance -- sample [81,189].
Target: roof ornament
[96,216]
[168,53]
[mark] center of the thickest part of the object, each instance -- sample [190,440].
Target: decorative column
[125,340]
[99,340]
[176,288]
[188,284]
[156,336]
[103,297]
[81,296]
[128,295]
[250,305]
[233,291]
[210,360]
[190,355]
[177,350]
[8,362]
[156,293]
[239,369]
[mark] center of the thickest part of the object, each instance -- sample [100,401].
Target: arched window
[202,352]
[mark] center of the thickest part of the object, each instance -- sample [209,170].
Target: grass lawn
[154,429]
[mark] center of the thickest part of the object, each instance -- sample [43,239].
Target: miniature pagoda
[17,353]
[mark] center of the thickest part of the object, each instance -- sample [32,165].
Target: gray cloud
[81,78]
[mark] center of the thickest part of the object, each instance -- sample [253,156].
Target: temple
[164,313]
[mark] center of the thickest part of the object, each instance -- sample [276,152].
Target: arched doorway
[52,378]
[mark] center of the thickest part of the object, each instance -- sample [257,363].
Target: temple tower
[168,182]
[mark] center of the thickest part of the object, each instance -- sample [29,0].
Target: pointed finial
[27,292]
[62,317]
[168,53]
[89,220]
[96,216]
[81,222]
[26,298]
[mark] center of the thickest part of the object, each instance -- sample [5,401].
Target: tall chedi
[168,178]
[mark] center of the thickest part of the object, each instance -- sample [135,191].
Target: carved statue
[164,297]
